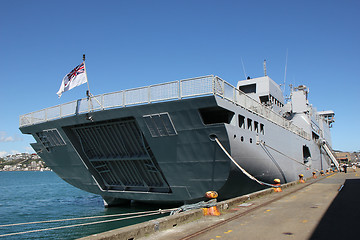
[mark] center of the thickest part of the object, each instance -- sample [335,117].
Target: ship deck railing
[176,90]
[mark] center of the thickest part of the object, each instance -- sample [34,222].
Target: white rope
[243,170]
[272,159]
[83,218]
[202,204]
[284,154]
[83,224]
[317,170]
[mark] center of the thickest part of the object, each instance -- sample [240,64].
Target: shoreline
[22,170]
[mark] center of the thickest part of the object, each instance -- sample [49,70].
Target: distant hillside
[24,162]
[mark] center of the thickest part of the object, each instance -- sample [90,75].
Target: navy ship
[162,143]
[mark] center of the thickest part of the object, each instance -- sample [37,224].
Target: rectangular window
[256,126]
[262,130]
[241,121]
[251,88]
[249,124]
[264,99]
[216,115]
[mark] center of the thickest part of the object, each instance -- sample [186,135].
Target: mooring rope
[273,160]
[92,217]
[242,169]
[284,154]
[315,169]
[142,214]
[187,207]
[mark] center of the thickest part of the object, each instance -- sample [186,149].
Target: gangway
[330,154]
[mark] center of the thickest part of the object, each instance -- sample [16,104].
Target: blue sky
[137,43]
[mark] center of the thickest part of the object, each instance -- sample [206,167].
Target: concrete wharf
[323,208]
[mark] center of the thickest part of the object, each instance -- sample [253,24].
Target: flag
[73,79]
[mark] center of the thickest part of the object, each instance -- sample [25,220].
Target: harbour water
[39,196]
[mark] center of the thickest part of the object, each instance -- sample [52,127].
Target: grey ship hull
[117,154]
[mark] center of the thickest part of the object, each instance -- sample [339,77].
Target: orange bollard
[314,175]
[211,211]
[211,194]
[277,183]
[205,211]
[301,178]
[322,173]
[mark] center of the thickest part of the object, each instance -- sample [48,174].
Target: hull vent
[50,138]
[120,155]
[160,125]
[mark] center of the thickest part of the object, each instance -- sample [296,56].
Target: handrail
[187,88]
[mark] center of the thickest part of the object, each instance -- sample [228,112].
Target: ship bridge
[328,116]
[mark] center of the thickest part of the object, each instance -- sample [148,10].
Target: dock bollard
[212,211]
[322,173]
[277,183]
[314,175]
[301,178]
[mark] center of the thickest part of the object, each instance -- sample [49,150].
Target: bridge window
[251,88]
[264,99]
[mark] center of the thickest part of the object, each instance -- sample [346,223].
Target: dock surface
[324,208]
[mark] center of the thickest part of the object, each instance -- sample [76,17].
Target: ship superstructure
[156,143]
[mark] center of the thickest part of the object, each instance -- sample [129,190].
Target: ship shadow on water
[341,220]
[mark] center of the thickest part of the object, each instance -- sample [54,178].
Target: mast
[265,68]
[286,61]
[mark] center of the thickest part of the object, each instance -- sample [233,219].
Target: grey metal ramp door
[118,151]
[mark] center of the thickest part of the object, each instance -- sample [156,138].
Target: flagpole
[87,80]
[89,94]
